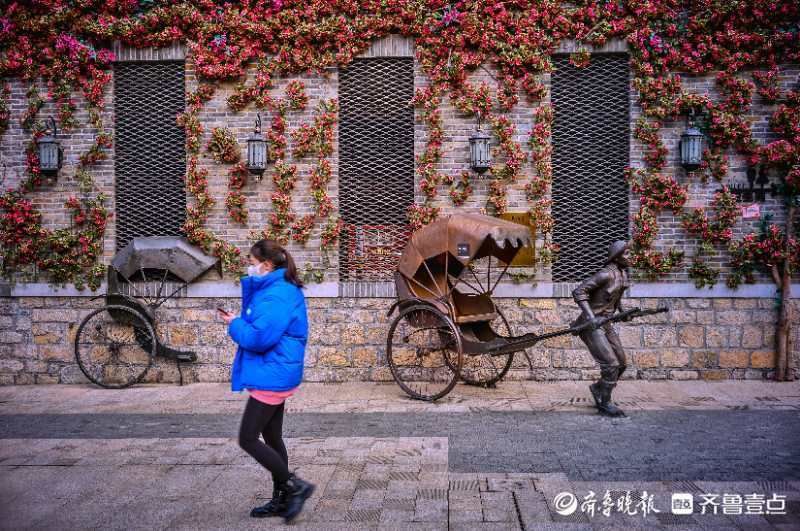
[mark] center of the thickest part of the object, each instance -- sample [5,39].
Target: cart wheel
[485,370]
[424,352]
[115,346]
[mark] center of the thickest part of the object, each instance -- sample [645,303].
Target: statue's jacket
[602,291]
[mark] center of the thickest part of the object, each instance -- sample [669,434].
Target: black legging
[265,420]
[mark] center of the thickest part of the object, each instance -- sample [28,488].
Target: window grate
[376,165]
[591,145]
[150,153]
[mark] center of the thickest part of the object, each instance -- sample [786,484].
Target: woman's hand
[225,315]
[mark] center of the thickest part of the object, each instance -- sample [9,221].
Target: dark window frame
[149,149]
[376,166]
[591,148]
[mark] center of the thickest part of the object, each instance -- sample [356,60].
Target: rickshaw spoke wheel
[115,346]
[423,349]
[485,370]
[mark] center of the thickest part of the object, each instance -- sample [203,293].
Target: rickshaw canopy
[172,253]
[464,237]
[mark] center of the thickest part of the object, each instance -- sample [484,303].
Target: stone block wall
[711,339]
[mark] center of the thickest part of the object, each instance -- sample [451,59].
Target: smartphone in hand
[225,315]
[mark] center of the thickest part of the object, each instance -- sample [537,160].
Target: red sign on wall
[751,211]
[374,250]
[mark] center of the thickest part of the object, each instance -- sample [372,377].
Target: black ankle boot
[275,507]
[297,492]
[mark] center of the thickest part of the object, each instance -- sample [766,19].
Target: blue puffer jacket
[271,333]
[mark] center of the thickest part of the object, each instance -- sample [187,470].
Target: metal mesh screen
[590,152]
[376,165]
[150,156]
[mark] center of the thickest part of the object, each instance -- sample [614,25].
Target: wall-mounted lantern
[480,155]
[257,155]
[692,145]
[49,150]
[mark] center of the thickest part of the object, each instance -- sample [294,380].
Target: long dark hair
[273,252]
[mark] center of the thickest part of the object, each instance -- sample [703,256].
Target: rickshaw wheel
[115,346]
[485,370]
[424,352]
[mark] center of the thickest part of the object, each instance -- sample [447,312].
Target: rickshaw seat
[468,307]
[473,307]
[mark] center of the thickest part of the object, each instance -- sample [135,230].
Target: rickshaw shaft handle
[528,340]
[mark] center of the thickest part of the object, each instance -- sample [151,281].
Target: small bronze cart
[447,326]
[115,345]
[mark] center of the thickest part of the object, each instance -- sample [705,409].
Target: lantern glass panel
[483,152]
[480,156]
[691,148]
[256,154]
[48,156]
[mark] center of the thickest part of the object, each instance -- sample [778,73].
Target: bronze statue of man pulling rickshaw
[600,297]
[449,328]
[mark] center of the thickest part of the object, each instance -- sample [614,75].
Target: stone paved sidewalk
[59,468]
[362,397]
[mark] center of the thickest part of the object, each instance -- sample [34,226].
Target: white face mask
[253,271]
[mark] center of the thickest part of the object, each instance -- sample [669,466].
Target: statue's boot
[607,407]
[597,393]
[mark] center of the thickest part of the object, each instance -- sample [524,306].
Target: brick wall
[50,198]
[457,129]
[671,233]
[216,113]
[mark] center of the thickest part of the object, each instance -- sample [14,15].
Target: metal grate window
[590,152]
[376,165]
[150,153]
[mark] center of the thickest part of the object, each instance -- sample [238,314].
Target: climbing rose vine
[67,46]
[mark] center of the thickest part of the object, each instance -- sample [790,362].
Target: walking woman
[271,334]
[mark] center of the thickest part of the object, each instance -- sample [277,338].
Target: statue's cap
[616,249]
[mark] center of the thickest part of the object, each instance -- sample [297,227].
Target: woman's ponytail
[272,251]
[291,270]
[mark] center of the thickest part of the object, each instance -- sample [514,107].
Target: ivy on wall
[197,184]
[70,254]
[67,45]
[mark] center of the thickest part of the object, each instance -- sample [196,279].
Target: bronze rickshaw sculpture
[448,327]
[115,345]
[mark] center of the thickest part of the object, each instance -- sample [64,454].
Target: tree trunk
[782,331]
[783,279]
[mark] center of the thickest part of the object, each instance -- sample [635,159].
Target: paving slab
[387,397]
[162,457]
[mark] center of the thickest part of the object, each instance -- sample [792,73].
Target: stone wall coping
[548,290]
